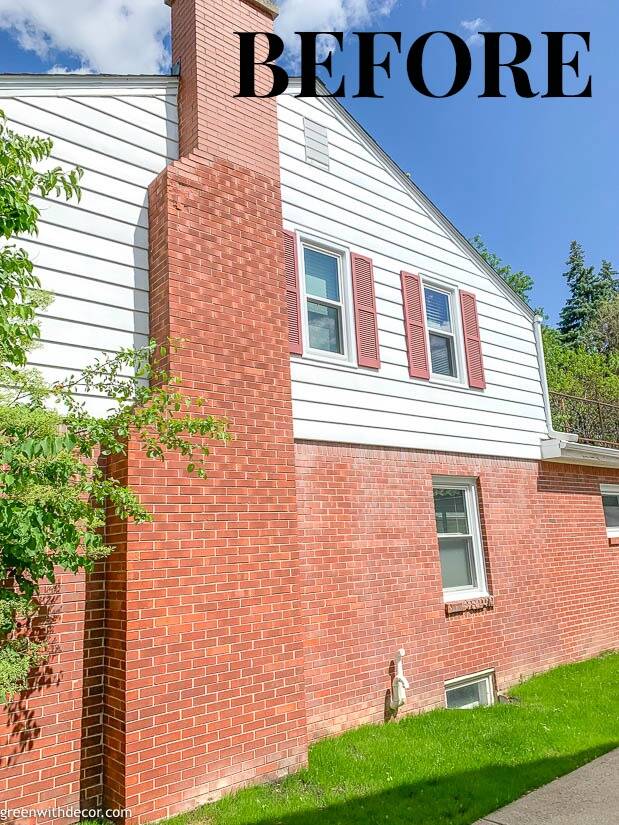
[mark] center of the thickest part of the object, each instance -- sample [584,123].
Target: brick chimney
[204,679]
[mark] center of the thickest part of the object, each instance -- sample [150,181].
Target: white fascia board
[571,452]
[75,85]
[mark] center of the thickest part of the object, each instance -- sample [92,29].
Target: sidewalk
[588,796]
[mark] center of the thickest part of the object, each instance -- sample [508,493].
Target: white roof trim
[571,452]
[402,177]
[42,85]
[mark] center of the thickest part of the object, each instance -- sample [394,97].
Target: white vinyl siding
[93,255]
[361,206]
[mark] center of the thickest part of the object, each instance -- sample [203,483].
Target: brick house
[395,481]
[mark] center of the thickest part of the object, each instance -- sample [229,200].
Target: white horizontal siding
[360,204]
[93,255]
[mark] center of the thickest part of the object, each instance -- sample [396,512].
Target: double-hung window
[325,297]
[459,537]
[442,332]
[610,501]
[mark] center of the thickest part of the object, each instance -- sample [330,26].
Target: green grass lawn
[444,767]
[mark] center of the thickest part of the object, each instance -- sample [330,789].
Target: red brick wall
[204,629]
[205,600]
[50,736]
[372,583]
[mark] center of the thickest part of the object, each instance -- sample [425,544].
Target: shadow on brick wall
[22,713]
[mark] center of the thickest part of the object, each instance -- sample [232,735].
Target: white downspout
[539,341]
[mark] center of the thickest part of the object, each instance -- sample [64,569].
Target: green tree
[578,371]
[54,486]
[609,285]
[602,332]
[588,291]
[591,372]
[519,281]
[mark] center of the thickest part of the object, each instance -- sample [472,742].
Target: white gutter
[569,452]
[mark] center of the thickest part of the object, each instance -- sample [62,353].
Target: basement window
[610,501]
[316,144]
[470,691]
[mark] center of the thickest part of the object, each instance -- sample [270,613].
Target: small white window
[443,333]
[459,536]
[316,144]
[610,501]
[470,691]
[325,297]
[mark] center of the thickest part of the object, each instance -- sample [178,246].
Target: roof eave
[45,83]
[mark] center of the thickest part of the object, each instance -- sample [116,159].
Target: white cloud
[64,70]
[474,27]
[113,36]
[328,16]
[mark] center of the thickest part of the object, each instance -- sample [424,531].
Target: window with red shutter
[293,301]
[472,341]
[364,297]
[415,326]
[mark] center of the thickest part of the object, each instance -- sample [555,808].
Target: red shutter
[415,326]
[293,301]
[368,353]
[472,341]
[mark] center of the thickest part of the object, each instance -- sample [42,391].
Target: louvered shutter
[472,341]
[415,326]
[368,353]
[293,300]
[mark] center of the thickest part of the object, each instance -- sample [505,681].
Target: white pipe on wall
[400,682]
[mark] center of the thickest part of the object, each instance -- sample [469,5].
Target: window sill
[439,381]
[326,361]
[475,605]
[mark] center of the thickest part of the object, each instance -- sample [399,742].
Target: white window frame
[348,357]
[469,486]
[486,676]
[610,490]
[453,295]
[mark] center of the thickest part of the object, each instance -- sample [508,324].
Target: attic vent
[316,144]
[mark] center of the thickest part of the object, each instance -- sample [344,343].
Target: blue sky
[529,176]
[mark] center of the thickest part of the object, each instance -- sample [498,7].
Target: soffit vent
[316,144]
